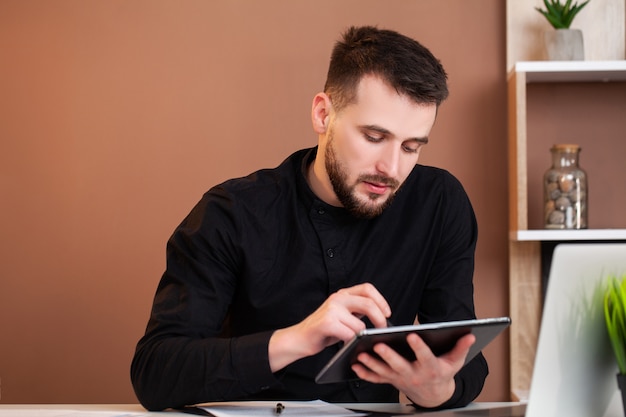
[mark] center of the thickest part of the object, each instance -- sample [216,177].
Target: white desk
[78,410]
[136,410]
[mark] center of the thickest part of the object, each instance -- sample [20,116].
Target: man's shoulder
[434,176]
[429,186]
[267,181]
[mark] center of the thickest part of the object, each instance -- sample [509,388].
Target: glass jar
[565,190]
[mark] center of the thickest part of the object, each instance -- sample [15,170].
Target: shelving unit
[525,257]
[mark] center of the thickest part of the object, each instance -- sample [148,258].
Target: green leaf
[560,15]
[615,317]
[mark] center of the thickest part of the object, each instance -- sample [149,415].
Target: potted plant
[563,43]
[615,317]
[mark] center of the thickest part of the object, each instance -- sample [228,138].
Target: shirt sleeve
[183,358]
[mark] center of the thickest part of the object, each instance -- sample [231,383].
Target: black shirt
[263,252]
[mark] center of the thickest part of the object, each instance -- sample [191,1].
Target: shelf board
[572,71]
[567,235]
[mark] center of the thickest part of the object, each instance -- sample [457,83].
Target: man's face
[372,145]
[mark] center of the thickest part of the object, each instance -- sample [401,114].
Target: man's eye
[374,139]
[410,149]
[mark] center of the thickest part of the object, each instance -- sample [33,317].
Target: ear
[320,112]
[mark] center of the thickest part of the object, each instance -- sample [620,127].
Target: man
[269,273]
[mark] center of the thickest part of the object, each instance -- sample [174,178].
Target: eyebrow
[379,129]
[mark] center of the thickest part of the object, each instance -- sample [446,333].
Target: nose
[389,160]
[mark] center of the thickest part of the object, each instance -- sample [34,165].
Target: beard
[374,204]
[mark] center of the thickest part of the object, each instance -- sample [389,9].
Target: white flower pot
[564,45]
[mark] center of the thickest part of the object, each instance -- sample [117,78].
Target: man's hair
[398,60]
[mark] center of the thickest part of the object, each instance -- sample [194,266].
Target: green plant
[561,15]
[615,317]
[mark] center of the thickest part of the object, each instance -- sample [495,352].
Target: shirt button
[357,384]
[321,210]
[330,253]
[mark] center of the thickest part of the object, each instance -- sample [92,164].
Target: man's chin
[371,208]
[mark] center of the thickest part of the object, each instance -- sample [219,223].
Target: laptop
[575,371]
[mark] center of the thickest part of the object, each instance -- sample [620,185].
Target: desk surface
[136,410]
[78,410]
[486,409]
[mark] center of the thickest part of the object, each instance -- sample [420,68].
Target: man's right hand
[337,319]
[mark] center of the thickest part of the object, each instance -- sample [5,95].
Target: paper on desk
[268,408]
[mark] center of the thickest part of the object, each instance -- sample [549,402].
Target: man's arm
[440,382]
[183,358]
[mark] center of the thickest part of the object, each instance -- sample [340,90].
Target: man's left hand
[428,381]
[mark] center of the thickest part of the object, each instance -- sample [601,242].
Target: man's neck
[318,180]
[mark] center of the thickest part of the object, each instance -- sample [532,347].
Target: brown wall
[115,116]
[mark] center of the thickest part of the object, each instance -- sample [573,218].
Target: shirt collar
[310,200]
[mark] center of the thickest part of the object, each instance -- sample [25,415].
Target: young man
[268,273]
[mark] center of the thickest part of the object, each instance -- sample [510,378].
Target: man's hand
[337,319]
[428,381]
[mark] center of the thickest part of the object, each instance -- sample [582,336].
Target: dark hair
[400,61]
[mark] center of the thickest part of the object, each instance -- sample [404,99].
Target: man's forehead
[379,104]
[374,88]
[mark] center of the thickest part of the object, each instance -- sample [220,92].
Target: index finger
[368,290]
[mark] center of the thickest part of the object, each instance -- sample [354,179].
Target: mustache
[379,179]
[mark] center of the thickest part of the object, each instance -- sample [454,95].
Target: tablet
[440,337]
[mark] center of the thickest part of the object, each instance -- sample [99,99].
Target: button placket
[330,241]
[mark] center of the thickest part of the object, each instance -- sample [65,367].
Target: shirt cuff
[251,362]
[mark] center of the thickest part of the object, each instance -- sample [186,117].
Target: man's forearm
[177,371]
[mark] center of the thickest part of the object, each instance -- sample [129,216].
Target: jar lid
[566,147]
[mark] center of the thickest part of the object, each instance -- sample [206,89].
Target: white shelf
[572,71]
[568,235]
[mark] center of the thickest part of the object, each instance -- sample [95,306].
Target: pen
[279,408]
